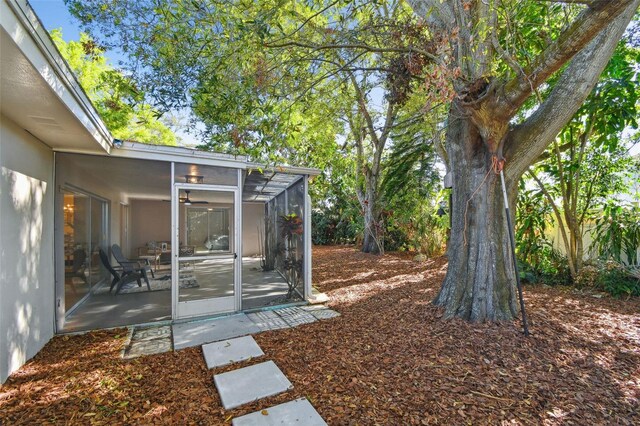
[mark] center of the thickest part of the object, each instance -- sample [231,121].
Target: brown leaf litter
[390,358]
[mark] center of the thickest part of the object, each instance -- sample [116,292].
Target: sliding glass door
[85,232]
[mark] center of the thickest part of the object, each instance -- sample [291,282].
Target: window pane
[76,244]
[98,239]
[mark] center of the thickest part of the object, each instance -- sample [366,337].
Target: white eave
[178,154]
[128,149]
[75,125]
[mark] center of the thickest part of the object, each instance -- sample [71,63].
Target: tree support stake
[512,240]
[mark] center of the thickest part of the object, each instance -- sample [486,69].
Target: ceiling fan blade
[199,202]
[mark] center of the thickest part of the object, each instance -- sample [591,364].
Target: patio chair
[121,259]
[124,275]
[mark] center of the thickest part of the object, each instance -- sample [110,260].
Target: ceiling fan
[187,201]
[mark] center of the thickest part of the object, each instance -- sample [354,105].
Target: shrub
[614,279]
[617,233]
[550,267]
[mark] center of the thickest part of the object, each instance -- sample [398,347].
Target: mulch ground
[390,359]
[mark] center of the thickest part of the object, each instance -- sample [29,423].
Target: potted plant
[290,227]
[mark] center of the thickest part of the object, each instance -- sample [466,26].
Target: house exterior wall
[26,246]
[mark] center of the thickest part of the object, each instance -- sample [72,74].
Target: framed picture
[164,247]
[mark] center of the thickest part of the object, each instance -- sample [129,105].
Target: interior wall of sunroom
[252,221]
[150,220]
[26,264]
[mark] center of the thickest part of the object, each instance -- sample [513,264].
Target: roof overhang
[194,156]
[38,90]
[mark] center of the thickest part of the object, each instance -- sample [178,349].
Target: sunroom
[153,233]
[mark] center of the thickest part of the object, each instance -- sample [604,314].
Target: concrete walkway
[149,340]
[255,382]
[216,329]
[227,340]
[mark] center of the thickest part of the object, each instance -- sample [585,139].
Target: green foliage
[417,228]
[411,187]
[538,261]
[293,262]
[533,216]
[260,78]
[615,280]
[550,268]
[588,164]
[120,104]
[617,233]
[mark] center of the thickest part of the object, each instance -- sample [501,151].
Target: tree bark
[372,242]
[478,285]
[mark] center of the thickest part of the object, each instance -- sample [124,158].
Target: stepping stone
[324,314]
[196,333]
[151,333]
[148,341]
[250,384]
[227,352]
[311,308]
[147,347]
[295,316]
[268,320]
[297,412]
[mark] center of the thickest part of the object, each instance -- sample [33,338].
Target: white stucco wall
[26,246]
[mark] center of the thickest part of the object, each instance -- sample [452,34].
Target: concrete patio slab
[197,333]
[268,320]
[297,412]
[227,352]
[250,384]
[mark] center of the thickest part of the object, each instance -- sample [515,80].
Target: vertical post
[175,245]
[238,242]
[512,240]
[58,251]
[307,239]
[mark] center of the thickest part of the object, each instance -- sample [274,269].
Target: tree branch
[307,20]
[594,4]
[356,46]
[588,24]
[438,14]
[527,141]
[362,104]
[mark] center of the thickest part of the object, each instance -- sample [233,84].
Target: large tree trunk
[372,242]
[479,285]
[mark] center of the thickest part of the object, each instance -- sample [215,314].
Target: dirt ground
[389,359]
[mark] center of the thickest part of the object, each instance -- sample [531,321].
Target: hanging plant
[291,226]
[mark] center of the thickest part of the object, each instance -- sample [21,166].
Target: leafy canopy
[120,104]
